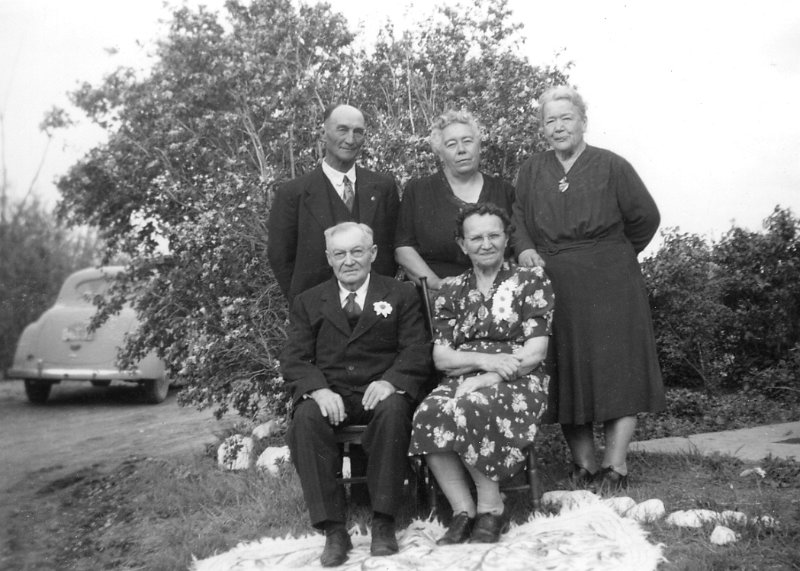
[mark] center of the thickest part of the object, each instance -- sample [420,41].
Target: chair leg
[534,481]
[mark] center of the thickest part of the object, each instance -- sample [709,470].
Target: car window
[87,290]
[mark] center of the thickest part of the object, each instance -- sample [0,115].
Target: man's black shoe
[337,544]
[384,540]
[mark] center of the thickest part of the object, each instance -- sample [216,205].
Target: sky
[700,96]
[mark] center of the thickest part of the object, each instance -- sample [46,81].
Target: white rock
[691,518]
[758,471]
[723,535]
[649,510]
[267,429]
[765,520]
[235,453]
[569,499]
[619,504]
[728,517]
[272,458]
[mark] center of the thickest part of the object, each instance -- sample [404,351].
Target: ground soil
[83,429]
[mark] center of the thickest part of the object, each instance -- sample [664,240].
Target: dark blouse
[605,200]
[427,220]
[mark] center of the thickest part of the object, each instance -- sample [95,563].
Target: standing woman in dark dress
[424,243]
[584,214]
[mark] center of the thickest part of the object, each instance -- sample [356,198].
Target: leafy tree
[36,254]
[231,109]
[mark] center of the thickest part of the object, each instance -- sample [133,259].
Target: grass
[156,514]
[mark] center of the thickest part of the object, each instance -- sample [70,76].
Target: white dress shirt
[361,294]
[336,178]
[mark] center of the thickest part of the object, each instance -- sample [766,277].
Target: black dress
[588,226]
[427,219]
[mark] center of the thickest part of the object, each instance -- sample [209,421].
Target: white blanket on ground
[582,537]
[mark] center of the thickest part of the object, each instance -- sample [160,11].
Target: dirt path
[82,426]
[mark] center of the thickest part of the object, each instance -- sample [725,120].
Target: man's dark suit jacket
[323,351]
[301,212]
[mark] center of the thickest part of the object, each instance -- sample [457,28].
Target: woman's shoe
[610,480]
[459,530]
[581,477]
[488,528]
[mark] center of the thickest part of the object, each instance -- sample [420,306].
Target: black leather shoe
[459,530]
[488,528]
[384,540]
[580,476]
[337,544]
[609,480]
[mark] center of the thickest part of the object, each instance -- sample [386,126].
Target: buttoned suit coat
[323,351]
[301,212]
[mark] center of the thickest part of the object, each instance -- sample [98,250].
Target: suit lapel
[316,198]
[367,196]
[331,308]
[375,293]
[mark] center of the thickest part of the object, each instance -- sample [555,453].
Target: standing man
[358,353]
[336,191]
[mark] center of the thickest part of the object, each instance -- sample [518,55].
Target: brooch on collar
[382,308]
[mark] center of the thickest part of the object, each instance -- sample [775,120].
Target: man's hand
[472,384]
[331,405]
[530,258]
[504,364]
[376,392]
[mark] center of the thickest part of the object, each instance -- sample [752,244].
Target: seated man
[358,353]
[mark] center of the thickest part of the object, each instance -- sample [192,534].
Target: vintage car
[60,347]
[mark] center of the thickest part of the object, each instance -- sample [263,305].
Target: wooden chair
[533,482]
[350,436]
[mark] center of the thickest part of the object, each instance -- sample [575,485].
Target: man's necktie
[351,309]
[349,194]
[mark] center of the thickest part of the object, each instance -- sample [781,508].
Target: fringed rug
[585,537]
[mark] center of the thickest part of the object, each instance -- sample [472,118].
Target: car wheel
[100,383]
[155,390]
[37,391]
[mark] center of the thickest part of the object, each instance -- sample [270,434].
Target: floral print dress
[490,427]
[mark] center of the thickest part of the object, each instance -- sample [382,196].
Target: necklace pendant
[563,184]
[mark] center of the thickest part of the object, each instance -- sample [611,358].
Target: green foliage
[760,283]
[727,315]
[36,254]
[230,110]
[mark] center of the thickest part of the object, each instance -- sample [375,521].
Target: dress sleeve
[405,234]
[521,239]
[538,302]
[639,211]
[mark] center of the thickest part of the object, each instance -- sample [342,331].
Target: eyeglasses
[355,253]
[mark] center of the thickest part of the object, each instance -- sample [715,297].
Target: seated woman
[491,332]
[424,244]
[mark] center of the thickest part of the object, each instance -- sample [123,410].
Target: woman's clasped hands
[496,368]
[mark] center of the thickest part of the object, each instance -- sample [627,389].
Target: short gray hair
[561,92]
[343,226]
[448,118]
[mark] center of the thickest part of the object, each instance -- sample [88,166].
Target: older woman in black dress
[424,244]
[584,214]
[491,331]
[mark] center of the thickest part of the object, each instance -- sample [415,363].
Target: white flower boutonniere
[382,308]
